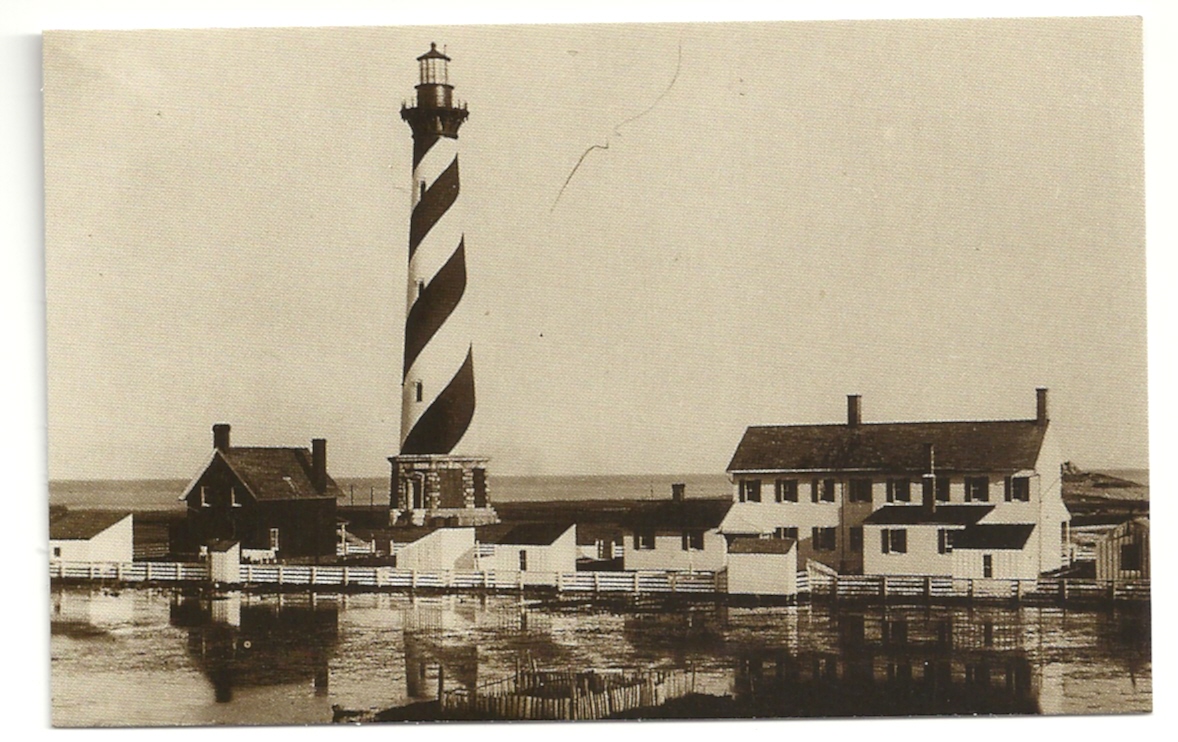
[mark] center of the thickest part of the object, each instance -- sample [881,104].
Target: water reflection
[242,643]
[297,654]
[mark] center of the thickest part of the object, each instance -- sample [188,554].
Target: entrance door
[416,495]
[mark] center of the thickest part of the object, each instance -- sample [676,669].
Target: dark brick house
[263,497]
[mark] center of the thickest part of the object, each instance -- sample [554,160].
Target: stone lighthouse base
[440,490]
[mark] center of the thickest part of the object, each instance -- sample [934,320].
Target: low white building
[535,552]
[763,567]
[433,549]
[91,536]
[679,535]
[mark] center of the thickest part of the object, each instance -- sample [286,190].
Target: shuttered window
[787,490]
[894,541]
[860,490]
[899,490]
[944,541]
[977,489]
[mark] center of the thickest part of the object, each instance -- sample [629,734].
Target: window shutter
[883,541]
[1007,489]
[813,490]
[901,540]
[941,541]
[969,489]
[637,541]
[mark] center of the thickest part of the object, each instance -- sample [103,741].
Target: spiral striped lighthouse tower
[430,483]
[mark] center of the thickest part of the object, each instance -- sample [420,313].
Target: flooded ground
[158,657]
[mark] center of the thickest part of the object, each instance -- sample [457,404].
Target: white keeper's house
[977,498]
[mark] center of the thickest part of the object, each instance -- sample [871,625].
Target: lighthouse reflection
[242,643]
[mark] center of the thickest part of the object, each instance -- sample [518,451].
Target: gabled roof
[82,524]
[753,545]
[970,446]
[523,534]
[222,545]
[678,514]
[916,515]
[276,473]
[994,536]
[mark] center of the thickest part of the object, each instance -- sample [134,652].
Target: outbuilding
[1123,553]
[91,536]
[538,551]
[762,566]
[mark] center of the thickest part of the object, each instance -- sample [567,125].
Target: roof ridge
[891,422]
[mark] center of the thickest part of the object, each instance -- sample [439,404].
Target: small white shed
[225,562]
[763,566]
[91,536]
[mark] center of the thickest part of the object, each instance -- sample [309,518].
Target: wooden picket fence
[130,572]
[389,577]
[934,589]
[551,695]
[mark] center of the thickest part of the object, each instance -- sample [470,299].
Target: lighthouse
[431,484]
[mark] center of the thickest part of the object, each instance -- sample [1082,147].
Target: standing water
[158,657]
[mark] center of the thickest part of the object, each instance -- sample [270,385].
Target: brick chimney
[221,436]
[319,464]
[854,410]
[678,491]
[1041,405]
[928,482]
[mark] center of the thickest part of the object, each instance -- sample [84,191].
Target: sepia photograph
[596,371]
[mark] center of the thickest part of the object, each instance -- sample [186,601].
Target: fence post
[596,582]
[314,574]
[971,589]
[413,579]
[1018,591]
[119,571]
[281,578]
[1063,590]
[928,589]
[147,576]
[674,580]
[636,581]
[883,587]
[559,586]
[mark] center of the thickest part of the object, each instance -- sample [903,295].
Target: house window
[860,490]
[643,540]
[856,539]
[822,490]
[944,541]
[693,540]
[894,541]
[57,553]
[987,565]
[824,538]
[750,490]
[1018,489]
[977,489]
[523,560]
[204,496]
[787,490]
[899,490]
[274,539]
[1131,556]
[786,532]
[942,489]
[233,501]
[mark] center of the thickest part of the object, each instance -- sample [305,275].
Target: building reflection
[239,642]
[894,664]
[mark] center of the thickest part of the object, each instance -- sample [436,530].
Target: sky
[938,215]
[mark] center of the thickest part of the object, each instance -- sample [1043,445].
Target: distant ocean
[164,494]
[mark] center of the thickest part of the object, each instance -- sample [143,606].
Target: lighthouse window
[420,287]
[423,189]
[417,390]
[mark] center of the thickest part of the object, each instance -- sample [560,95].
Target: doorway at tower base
[440,490]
